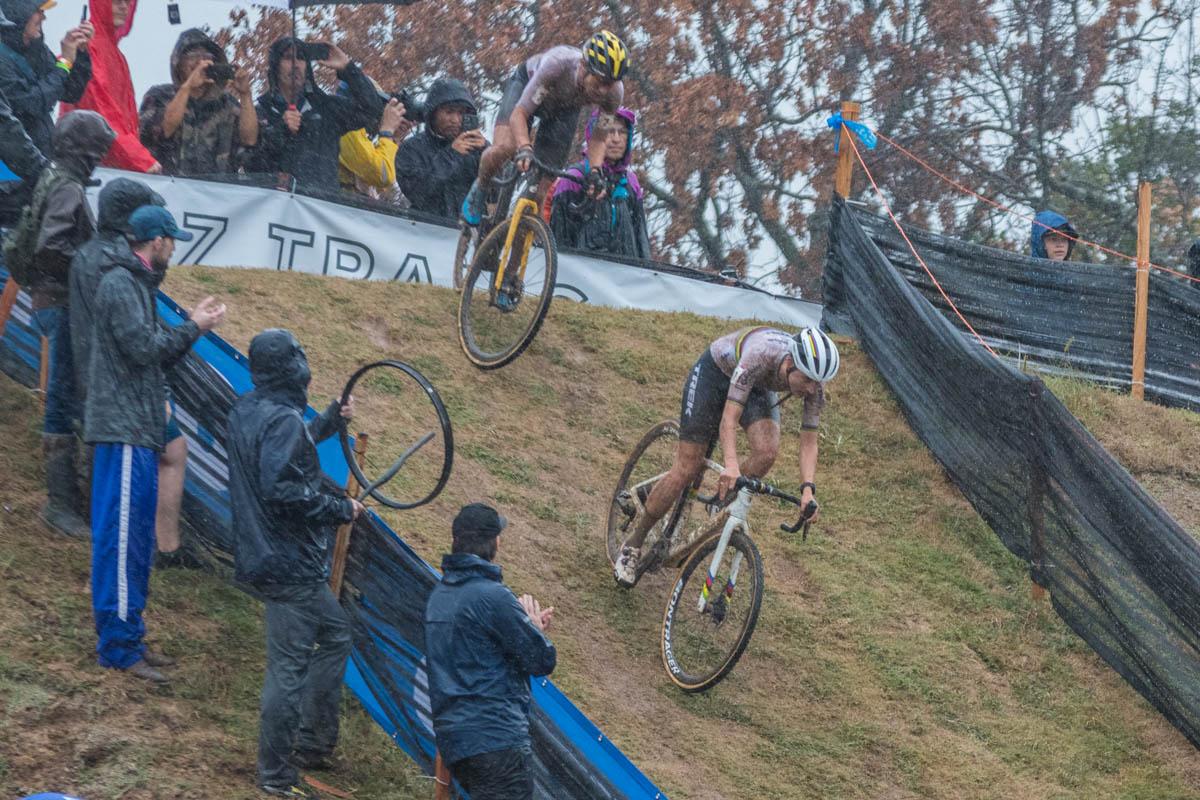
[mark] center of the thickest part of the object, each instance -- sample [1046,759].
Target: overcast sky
[148,47]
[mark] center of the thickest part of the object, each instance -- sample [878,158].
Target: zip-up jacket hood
[1049,219]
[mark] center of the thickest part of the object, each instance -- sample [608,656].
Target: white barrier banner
[245,226]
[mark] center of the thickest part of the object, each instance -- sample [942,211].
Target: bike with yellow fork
[506,293]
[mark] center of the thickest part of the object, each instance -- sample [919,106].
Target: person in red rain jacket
[110,91]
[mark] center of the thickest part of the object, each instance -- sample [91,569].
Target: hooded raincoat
[110,91]
[283,513]
[106,249]
[310,156]
[82,138]
[32,85]
[207,141]
[1052,219]
[481,650]
[433,175]
[126,396]
[616,224]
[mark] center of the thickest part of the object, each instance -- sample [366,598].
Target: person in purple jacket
[614,220]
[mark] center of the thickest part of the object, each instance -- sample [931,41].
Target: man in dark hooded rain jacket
[126,418]
[614,223]
[301,126]
[82,139]
[19,154]
[32,80]
[435,168]
[482,645]
[284,518]
[197,125]
[1049,237]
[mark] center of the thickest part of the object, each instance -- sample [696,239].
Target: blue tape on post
[864,134]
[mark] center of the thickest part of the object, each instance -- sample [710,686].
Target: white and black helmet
[815,355]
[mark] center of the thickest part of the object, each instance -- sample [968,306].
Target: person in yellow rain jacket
[367,159]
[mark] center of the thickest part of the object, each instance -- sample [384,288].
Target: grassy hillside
[899,653]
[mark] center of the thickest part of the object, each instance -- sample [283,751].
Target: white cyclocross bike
[704,631]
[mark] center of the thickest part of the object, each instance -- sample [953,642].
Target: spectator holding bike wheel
[614,221]
[735,383]
[284,518]
[482,646]
[551,87]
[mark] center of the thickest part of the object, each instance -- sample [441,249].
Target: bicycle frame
[731,518]
[524,205]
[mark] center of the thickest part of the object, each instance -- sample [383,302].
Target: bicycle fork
[524,204]
[738,511]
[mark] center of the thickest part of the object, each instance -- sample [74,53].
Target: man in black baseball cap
[482,645]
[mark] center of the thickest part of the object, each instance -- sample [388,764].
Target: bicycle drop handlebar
[759,487]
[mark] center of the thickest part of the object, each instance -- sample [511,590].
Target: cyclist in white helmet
[735,382]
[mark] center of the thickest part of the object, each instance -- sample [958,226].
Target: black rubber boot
[58,450]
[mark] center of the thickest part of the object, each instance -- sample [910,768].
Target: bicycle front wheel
[707,626]
[647,464]
[497,323]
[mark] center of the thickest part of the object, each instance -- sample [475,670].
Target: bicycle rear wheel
[495,325]
[650,460]
[468,237]
[701,645]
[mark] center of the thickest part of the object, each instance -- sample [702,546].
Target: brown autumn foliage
[732,144]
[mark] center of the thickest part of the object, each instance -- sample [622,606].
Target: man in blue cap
[126,419]
[482,645]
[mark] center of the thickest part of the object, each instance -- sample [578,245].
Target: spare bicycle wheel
[497,323]
[407,424]
[706,627]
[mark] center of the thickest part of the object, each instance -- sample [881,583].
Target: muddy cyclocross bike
[514,263]
[714,603]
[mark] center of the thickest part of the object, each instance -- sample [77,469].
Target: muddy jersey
[553,84]
[750,358]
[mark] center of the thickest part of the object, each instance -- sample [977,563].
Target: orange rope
[900,228]
[1014,212]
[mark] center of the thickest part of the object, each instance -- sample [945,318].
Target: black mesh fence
[1120,571]
[1064,317]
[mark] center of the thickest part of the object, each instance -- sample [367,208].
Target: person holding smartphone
[197,124]
[436,167]
[110,90]
[301,125]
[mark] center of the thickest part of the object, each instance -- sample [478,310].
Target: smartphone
[221,73]
[83,16]
[470,122]
[316,51]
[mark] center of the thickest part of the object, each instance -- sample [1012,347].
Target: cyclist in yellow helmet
[552,87]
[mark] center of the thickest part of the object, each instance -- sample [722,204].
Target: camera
[221,73]
[414,109]
[313,51]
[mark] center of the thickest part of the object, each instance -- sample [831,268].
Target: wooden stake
[45,371]
[337,571]
[1143,291]
[7,300]
[441,777]
[845,167]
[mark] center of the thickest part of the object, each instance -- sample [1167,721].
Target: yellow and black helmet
[606,55]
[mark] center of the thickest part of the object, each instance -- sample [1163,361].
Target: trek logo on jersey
[539,96]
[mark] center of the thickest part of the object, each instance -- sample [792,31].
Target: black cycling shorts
[704,397]
[555,129]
